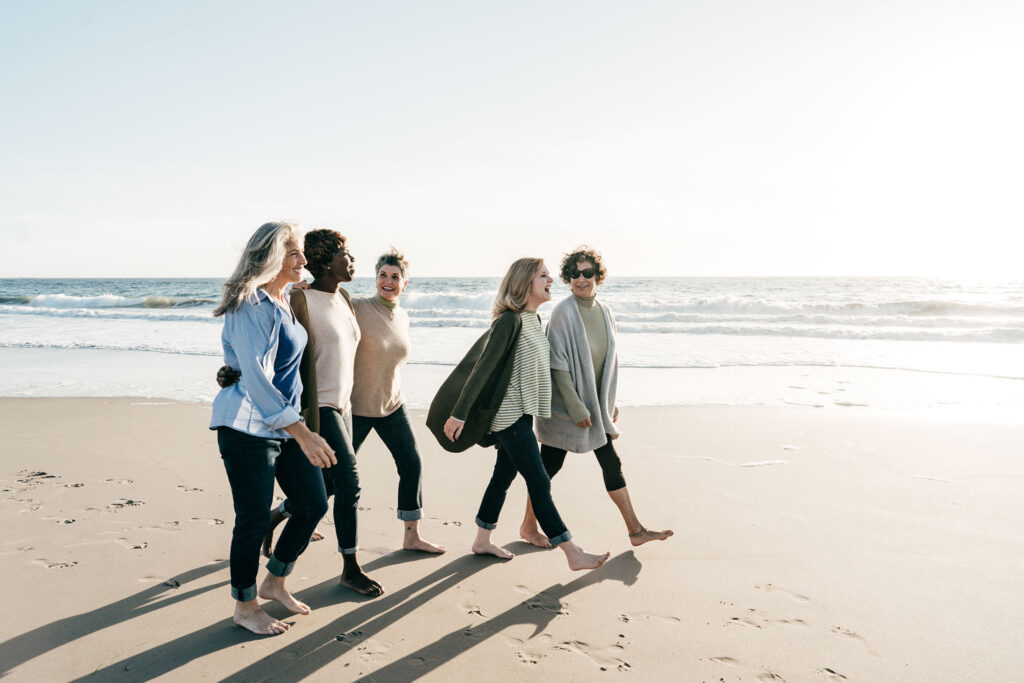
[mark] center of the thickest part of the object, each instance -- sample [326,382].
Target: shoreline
[179,377]
[810,544]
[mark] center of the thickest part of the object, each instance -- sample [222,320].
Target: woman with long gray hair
[259,430]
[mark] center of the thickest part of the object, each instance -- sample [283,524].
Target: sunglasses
[586,272]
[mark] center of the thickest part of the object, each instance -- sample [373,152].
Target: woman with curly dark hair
[584,372]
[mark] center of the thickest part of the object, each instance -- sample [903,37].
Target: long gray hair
[260,263]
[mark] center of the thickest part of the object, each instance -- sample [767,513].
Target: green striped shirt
[529,389]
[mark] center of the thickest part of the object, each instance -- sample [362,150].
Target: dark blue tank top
[290,344]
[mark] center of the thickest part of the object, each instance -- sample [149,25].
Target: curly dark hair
[582,253]
[320,247]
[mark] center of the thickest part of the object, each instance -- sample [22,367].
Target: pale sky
[680,138]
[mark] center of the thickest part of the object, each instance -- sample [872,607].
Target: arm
[249,330]
[578,412]
[498,340]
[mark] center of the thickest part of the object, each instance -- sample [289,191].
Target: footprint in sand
[123,482]
[187,488]
[771,588]
[649,615]
[211,522]
[54,565]
[133,545]
[604,658]
[451,522]
[166,526]
[34,477]
[468,603]
[60,520]
[119,504]
[830,674]
[839,630]
[73,486]
[544,601]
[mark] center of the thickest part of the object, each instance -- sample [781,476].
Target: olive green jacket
[474,390]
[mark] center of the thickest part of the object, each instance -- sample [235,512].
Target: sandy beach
[810,545]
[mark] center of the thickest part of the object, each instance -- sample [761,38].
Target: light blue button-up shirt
[253,404]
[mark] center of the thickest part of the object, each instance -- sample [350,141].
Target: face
[291,270]
[390,283]
[584,287]
[540,288]
[343,265]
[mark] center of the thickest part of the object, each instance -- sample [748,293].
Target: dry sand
[810,545]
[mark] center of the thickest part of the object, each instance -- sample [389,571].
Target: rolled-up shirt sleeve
[252,331]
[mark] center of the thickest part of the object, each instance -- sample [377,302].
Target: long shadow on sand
[537,611]
[38,641]
[290,662]
[319,649]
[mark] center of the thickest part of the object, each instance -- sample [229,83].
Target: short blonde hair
[515,287]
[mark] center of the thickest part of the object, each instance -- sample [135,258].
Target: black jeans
[252,463]
[611,465]
[340,480]
[518,452]
[396,433]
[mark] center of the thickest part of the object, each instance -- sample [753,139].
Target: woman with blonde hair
[259,430]
[492,397]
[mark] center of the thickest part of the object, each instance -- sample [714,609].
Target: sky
[704,137]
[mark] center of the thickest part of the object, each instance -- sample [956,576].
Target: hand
[585,422]
[227,376]
[317,450]
[452,428]
[301,284]
[312,445]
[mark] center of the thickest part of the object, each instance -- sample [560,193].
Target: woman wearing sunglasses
[584,372]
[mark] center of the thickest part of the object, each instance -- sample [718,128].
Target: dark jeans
[252,464]
[396,433]
[340,480]
[518,452]
[611,465]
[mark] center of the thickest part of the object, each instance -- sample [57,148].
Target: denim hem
[348,551]
[484,525]
[279,568]
[283,510]
[560,538]
[244,594]
[410,515]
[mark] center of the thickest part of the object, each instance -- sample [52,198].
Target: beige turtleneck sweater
[383,348]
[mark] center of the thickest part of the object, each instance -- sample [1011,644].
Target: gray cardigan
[570,351]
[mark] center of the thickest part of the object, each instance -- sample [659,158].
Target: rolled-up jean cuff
[485,525]
[244,594]
[560,538]
[410,515]
[279,568]
[348,551]
[283,510]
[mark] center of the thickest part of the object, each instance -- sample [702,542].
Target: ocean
[157,338]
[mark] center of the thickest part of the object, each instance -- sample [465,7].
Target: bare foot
[361,583]
[645,535]
[491,549]
[533,536]
[250,616]
[423,546]
[273,588]
[578,559]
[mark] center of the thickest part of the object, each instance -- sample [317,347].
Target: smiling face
[390,283]
[343,265]
[291,269]
[540,288]
[582,286]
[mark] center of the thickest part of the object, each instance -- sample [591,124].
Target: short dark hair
[393,257]
[582,253]
[320,247]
